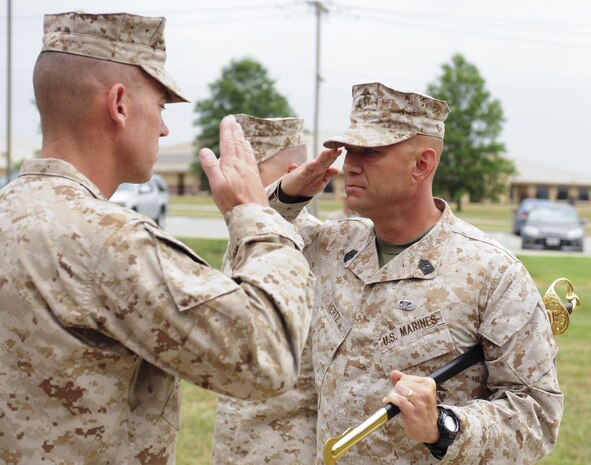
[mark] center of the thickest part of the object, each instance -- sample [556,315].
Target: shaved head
[66,85]
[421,141]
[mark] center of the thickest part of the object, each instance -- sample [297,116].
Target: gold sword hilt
[559,315]
[558,311]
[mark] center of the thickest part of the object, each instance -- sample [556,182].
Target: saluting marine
[408,287]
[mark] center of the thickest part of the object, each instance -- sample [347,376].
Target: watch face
[450,423]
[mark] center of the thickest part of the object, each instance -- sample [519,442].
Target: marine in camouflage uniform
[281,430]
[102,311]
[443,292]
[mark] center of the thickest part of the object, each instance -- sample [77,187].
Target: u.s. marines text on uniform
[101,311]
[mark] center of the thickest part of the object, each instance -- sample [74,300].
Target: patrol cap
[383,116]
[120,37]
[269,135]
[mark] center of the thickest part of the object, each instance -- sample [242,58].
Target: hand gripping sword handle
[336,447]
[447,371]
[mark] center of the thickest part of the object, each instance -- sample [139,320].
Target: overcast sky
[535,57]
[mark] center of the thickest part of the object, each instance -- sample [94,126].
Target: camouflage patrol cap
[269,135]
[382,116]
[120,37]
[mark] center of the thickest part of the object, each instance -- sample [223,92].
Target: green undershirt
[387,251]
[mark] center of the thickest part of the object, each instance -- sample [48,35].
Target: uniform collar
[421,260]
[60,169]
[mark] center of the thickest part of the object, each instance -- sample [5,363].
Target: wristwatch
[448,426]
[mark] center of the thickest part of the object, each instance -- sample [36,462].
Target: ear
[291,167]
[426,163]
[116,104]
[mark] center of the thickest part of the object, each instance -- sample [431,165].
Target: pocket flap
[190,281]
[329,329]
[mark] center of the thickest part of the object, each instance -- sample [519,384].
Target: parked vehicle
[553,226]
[3,181]
[521,213]
[150,198]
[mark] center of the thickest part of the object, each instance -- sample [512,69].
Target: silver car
[150,198]
[553,226]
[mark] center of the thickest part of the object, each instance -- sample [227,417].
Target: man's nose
[352,163]
[163,129]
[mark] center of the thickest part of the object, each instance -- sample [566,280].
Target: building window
[562,193]
[583,194]
[542,192]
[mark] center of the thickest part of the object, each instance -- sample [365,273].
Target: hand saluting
[234,177]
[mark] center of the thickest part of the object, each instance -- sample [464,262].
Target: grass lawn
[574,359]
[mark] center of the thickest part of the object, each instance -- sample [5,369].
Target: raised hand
[311,177]
[234,177]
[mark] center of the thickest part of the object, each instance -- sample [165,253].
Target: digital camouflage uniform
[451,290]
[281,430]
[102,312]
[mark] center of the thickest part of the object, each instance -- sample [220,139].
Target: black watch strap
[448,426]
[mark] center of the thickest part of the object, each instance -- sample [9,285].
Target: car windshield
[553,215]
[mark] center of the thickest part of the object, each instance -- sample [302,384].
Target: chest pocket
[329,329]
[417,342]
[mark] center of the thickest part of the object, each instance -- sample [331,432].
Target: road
[215,228]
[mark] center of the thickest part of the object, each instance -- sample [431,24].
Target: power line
[464,29]
[8,88]
[538,23]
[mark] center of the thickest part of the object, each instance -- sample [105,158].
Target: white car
[150,198]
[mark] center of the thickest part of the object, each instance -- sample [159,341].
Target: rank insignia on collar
[426,267]
[349,255]
[406,305]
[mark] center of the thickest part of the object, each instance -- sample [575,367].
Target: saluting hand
[311,178]
[234,177]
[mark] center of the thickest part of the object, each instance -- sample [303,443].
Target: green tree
[243,87]
[472,160]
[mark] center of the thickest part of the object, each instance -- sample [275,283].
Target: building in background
[538,181]
[174,164]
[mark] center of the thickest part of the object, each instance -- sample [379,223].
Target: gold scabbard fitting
[338,446]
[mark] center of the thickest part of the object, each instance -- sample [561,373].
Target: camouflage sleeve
[241,337]
[519,422]
[306,224]
[289,211]
[277,431]
[282,428]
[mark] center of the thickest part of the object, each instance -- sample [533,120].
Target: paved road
[204,228]
[215,228]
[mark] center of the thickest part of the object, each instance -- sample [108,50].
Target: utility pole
[8,88]
[320,9]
